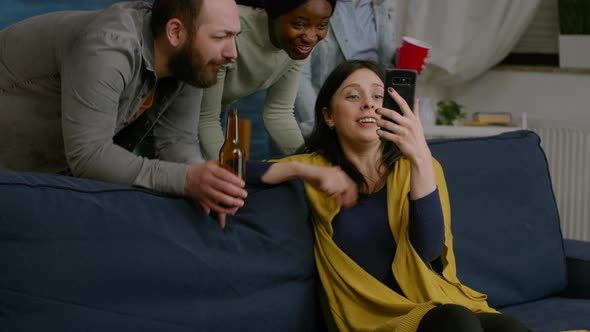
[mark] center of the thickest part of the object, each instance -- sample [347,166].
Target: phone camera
[402,81]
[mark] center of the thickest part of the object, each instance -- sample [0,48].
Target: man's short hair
[163,11]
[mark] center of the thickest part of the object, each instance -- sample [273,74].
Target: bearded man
[80,90]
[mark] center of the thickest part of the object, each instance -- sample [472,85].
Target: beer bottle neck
[232,131]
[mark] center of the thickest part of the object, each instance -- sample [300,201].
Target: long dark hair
[276,8]
[324,140]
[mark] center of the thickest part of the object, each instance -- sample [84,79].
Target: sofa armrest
[578,268]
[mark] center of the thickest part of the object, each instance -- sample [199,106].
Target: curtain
[468,37]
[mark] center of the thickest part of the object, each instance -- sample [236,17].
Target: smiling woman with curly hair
[276,39]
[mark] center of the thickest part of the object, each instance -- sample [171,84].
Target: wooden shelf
[466,131]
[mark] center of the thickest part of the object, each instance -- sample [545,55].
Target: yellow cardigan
[359,302]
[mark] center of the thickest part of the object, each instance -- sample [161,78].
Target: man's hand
[215,189]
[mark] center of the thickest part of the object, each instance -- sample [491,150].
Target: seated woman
[386,263]
[272,48]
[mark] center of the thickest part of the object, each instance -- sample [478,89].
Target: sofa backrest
[507,235]
[78,254]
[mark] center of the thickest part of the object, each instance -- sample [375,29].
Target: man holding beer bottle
[79,92]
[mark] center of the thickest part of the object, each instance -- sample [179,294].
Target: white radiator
[568,153]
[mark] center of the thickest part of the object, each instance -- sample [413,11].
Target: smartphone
[404,82]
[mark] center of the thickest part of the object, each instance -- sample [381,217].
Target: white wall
[550,99]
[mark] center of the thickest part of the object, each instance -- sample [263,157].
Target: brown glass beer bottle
[231,155]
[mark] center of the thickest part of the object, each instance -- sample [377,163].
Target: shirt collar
[147,44]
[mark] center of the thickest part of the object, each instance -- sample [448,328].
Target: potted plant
[574,33]
[449,113]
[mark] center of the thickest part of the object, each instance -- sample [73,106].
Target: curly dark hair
[251,3]
[276,8]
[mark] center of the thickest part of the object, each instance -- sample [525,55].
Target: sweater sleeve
[427,226]
[93,77]
[305,101]
[278,116]
[210,132]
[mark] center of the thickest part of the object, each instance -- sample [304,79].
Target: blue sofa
[506,226]
[81,255]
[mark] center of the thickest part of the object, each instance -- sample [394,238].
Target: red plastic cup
[412,53]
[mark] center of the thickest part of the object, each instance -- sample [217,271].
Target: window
[539,45]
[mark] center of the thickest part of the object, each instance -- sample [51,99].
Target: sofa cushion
[577,255]
[508,241]
[553,314]
[81,255]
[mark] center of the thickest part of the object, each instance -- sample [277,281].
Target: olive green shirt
[260,65]
[69,81]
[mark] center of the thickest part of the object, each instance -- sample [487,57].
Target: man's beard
[192,68]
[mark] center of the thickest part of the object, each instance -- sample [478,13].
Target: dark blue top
[363,231]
